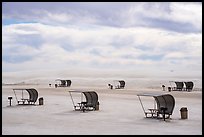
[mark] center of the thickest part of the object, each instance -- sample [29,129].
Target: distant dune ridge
[91,77]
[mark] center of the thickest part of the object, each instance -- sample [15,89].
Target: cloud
[104,45]
[181,17]
[187,13]
[123,36]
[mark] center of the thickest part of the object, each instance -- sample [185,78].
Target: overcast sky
[149,37]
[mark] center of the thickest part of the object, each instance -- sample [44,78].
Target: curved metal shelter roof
[189,85]
[64,83]
[121,84]
[91,100]
[180,85]
[166,101]
[33,95]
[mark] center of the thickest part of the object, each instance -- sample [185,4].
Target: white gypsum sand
[120,112]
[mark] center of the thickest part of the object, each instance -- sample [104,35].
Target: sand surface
[120,113]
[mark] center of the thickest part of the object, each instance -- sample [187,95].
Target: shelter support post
[163,109]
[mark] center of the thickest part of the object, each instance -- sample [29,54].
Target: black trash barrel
[184,113]
[169,89]
[40,101]
[97,106]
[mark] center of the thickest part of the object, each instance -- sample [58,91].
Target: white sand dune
[120,113]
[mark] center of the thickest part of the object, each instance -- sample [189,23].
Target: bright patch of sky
[152,36]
